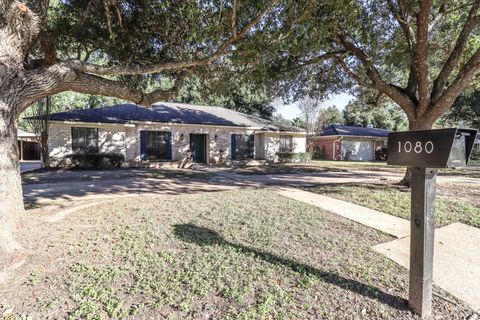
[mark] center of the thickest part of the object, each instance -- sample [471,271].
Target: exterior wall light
[182,137]
[215,137]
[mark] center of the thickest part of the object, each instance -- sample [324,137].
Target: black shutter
[143,155]
[251,146]
[233,147]
[169,146]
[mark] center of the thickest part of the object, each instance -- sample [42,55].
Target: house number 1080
[417,148]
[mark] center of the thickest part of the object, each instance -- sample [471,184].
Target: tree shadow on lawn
[206,237]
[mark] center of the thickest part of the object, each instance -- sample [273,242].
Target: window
[156,145]
[242,146]
[84,140]
[286,144]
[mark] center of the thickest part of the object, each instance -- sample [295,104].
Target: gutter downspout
[334,147]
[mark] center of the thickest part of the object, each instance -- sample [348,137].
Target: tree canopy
[419,54]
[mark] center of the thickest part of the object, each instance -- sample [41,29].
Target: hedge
[95,160]
[292,156]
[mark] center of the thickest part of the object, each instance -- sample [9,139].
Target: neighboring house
[28,146]
[337,142]
[171,132]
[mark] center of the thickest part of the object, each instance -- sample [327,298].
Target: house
[28,146]
[171,132]
[338,142]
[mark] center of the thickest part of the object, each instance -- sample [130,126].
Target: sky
[291,111]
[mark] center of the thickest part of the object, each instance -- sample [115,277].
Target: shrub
[95,160]
[318,153]
[475,152]
[292,156]
[381,154]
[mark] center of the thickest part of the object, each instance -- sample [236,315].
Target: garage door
[357,150]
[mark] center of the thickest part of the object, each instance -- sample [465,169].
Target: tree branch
[234,19]
[400,16]
[465,75]
[352,74]
[314,60]
[472,21]
[395,93]
[222,50]
[56,79]
[422,56]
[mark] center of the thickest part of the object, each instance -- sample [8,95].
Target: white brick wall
[272,144]
[59,141]
[126,140]
[218,150]
[110,140]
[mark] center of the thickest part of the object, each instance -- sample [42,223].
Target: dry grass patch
[249,254]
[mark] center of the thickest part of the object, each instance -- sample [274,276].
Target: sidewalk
[457,255]
[386,223]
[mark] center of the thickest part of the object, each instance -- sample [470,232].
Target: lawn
[249,254]
[454,203]
[344,166]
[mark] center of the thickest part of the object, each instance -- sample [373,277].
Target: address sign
[440,148]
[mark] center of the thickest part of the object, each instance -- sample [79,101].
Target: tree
[387,116]
[330,115]
[465,112]
[46,50]
[419,54]
[310,110]
[277,117]
[298,122]
[229,91]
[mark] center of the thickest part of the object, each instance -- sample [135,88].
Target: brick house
[171,132]
[337,142]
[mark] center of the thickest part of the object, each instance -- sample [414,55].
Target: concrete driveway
[128,187]
[83,185]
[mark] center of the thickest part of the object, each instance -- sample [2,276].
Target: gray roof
[166,112]
[339,130]
[25,134]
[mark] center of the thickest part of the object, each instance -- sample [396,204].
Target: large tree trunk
[44,149]
[11,195]
[422,124]
[44,134]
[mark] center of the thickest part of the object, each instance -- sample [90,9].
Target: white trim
[349,137]
[133,124]
[91,124]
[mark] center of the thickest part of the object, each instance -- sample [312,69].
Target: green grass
[319,166]
[249,254]
[395,200]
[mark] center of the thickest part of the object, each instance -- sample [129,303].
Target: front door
[198,146]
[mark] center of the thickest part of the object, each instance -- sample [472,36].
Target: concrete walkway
[456,262]
[457,251]
[389,224]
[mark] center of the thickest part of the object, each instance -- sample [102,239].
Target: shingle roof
[339,130]
[167,112]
